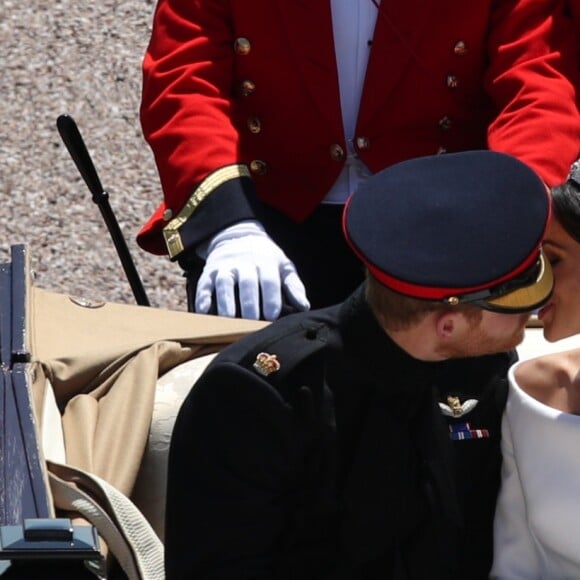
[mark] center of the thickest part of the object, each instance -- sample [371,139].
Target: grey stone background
[82,58]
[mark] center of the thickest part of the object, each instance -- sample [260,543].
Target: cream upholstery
[172,388]
[52,433]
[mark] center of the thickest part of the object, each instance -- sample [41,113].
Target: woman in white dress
[537,524]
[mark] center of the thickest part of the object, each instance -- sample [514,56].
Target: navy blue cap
[456,228]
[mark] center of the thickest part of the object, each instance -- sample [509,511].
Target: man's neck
[419,341]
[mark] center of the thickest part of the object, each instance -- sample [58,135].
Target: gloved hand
[243,255]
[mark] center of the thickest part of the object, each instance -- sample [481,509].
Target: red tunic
[254,82]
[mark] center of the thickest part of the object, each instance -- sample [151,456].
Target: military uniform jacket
[339,464]
[241,100]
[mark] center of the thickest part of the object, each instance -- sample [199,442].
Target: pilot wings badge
[455,408]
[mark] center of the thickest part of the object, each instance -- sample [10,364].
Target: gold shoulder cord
[206,187]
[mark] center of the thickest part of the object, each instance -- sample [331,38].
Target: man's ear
[449,324]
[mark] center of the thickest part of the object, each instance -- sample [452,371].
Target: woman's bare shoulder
[552,379]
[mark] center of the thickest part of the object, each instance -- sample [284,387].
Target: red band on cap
[436,293]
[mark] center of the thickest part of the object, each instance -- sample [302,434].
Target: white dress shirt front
[353,23]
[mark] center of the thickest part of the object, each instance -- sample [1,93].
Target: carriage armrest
[30,535]
[25,494]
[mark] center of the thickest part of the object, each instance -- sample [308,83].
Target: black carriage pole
[73,140]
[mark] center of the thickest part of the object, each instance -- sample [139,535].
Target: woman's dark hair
[566,202]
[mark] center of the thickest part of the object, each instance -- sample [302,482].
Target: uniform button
[258,167]
[460,49]
[242,46]
[452,82]
[247,88]
[445,124]
[336,152]
[441,151]
[311,333]
[363,143]
[167,215]
[254,125]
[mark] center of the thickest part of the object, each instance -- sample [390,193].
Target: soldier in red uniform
[264,115]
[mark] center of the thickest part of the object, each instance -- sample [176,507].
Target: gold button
[167,215]
[258,167]
[336,152]
[247,88]
[452,81]
[254,125]
[363,143]
[460,49]
[242,46]
[445,124]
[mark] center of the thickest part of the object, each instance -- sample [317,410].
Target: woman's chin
[553,334]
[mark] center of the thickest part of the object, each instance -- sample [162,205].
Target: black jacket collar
[398,480]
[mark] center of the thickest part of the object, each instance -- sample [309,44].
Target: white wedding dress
[537,523]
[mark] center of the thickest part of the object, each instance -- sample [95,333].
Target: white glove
[246,256]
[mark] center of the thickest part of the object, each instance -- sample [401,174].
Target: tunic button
[167,215]
[452,82]
[460,49]
[254,125]
[445,124]
[363,143]
[441,151]
[242,46]
[258,167]
[247,88]
[336,152]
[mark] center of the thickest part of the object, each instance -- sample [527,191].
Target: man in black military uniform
[361,441]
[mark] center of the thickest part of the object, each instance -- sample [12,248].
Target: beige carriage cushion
[171,390]
[129,532]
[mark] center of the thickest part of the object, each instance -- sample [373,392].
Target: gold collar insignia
[266,364]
